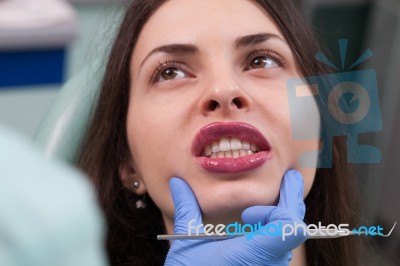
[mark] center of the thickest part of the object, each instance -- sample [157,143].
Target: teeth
[231,154]
[236,144]
[228,148]
[208,150]
[245,145]
[253,147]
[215,147]
[224,145]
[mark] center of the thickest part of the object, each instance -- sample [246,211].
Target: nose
[226,97]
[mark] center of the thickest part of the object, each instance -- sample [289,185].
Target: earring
[140,203]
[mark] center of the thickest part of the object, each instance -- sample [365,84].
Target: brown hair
[132,232]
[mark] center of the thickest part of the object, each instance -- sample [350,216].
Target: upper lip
[217,130]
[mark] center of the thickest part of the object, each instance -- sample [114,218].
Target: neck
[299,256]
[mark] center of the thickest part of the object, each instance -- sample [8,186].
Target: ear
[131,180]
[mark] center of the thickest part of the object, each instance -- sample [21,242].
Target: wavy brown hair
[132,232]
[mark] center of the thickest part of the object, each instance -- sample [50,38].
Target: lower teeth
[231,154]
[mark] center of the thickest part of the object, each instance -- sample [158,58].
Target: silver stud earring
[141,203]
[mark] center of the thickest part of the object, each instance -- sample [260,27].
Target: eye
[170,70]
[171,73]
[263,61]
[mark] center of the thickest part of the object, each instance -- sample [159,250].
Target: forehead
[198,22]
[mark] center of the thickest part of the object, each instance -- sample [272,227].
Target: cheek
[305,125]
[309,176]
[150,133]
[295,132]
[148,153]
[277,122]
[155,145]
[305,128]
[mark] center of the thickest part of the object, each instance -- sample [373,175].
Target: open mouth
[230,147]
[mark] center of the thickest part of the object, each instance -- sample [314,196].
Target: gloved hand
[259,250]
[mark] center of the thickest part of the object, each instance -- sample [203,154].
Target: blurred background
[45,42]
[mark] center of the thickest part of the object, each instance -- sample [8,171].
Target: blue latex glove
[260,250]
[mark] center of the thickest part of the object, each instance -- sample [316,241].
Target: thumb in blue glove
[260,250]
[187,209]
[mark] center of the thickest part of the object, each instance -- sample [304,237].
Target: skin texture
[165,115]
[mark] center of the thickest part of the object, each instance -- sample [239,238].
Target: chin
[227,205]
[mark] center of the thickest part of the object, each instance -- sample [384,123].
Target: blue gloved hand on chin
[260,249]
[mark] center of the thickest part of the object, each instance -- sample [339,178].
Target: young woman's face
[208,103]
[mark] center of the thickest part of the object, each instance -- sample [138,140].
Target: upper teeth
[229,147]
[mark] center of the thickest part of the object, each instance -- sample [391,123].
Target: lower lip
[234,165]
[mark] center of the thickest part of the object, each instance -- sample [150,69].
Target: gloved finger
[281,231]
[290,198]
[187,210]
[257,214]
[291,193]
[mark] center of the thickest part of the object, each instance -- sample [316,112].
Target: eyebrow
[255,39]
[184,49]
[176,49]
